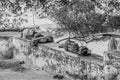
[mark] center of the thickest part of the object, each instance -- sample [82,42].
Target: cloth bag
[112,45]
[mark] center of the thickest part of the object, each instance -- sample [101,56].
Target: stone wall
[6,48]
[22,48]
[112,65]
[14,47]
[58,62]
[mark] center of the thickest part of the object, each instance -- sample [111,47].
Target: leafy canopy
[78,17]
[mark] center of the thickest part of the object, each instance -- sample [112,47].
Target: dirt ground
[29,74]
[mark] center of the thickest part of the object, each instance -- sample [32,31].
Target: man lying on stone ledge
[73,47]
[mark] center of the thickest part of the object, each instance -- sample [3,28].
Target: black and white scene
[59,39]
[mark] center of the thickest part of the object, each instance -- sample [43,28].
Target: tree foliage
[78,17]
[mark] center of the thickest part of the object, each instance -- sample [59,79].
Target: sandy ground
[29,75]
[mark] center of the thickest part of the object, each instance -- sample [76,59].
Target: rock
[7,49]
[8,54]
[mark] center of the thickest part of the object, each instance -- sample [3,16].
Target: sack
[83,50]
[112,45]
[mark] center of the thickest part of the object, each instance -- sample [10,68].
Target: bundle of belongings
[84,51]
